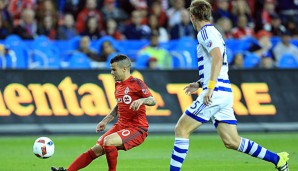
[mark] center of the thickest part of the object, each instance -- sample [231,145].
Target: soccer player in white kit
[216,100]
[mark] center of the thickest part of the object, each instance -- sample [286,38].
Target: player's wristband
[211,84]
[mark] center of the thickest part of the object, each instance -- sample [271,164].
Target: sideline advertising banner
[84,96]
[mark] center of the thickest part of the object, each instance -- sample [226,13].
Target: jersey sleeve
[143,89]
[209,39]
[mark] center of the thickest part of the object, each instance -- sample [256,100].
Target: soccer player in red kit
[132,95]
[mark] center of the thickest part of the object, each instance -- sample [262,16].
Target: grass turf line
[207,152]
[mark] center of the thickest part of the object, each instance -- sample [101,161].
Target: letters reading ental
[67,98]
[48,99]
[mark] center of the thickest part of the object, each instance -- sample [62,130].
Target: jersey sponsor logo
[125,132]
[209,44]
[126,90]
[127,99]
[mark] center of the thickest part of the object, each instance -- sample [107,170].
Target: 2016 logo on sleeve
[127,99]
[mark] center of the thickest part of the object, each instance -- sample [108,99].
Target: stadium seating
[179,61]
[142,61]
[191,51]
[2,62]
[287,61]
[72,44]
[251,60]
[76,60]
[275,40]
[132,47]
[295,42]
[43,53]
[38,60]
[8,59]
[16,44]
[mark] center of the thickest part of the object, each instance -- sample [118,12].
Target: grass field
[206,153]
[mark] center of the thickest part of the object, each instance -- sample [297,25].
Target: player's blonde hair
[201,9]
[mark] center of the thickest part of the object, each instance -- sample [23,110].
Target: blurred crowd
[154,20]
[136,19]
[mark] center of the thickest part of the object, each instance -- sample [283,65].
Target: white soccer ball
[43,147]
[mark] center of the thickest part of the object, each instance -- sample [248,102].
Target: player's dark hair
[201,9]
[122,60]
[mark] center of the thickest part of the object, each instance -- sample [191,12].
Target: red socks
[86,158]
[111,155]
[82,161]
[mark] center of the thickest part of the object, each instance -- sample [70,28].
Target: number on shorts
[125,132]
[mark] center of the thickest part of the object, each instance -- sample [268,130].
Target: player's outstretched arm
[192,87]
[149,101]
[102,124]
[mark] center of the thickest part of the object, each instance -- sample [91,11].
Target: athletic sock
[82,161]
[111,155]
[249,147]
[179,153]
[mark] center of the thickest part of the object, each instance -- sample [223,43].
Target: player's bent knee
[98,150]
[228,145]
[180,131]
[231,145]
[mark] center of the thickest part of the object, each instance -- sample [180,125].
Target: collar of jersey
[125,80]
[206,26]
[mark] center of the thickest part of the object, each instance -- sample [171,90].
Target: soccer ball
[43,147]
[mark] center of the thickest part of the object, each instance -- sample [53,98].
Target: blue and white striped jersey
[209,38]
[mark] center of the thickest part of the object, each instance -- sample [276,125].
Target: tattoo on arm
[149,101]
[114,112]
[112,115]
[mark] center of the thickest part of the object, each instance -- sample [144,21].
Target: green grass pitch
[206,153]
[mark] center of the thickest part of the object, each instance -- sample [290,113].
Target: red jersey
[125,93]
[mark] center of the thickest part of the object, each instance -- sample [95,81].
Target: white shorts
[220,110]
